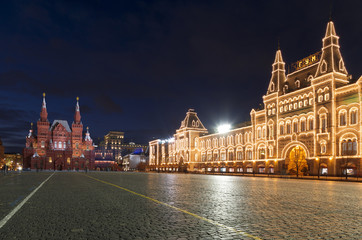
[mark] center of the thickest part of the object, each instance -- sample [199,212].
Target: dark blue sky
[137,66]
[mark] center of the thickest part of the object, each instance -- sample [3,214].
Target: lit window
[295,105]
[342,119]
[223,156]
[323,124]
[288,128]
[281,109]
[50,159]
[302,126]
[326,97]
[353,117]
[290,106]
[311,124]
[295,127]
[270,151]
[323,148]
[262,153]
[305,102]
[320,98]
[273,111]
[300,104]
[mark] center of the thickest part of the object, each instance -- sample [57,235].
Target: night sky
[138,66]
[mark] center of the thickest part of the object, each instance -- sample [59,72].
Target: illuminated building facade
[114,142]
[310,124]
[57,146]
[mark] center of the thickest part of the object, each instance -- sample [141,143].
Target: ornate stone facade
[310,124]
[58,146]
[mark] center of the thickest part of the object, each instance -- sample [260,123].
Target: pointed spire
[330,31]
[44,113]
[331,59]
[87,135]
[30,130]
[77,105]
[77,116]
[44,103]
[278,73]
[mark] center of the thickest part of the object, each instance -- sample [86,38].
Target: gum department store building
[311,120]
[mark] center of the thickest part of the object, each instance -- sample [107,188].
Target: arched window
[259,132]
[55,145]
[320,98]
[239,155]
[302,126]
[310,101]
[231,156]
[281,130]
[323,126]
[271,131]
[353,116]
[249,154]
[270,151]
[342,118]
[295,126]
[262,153]
[323,147]
[288,128]
[349,147]
[60,145]
[311,124]
[223,156]
[326,97]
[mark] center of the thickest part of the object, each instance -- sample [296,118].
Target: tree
[297,163]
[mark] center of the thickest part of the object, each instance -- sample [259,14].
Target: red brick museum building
[57,146]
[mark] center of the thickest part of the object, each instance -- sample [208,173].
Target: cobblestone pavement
[178,206]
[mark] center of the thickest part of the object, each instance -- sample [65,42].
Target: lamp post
[330,160]
[319,165]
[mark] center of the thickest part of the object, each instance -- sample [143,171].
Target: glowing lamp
[224,128]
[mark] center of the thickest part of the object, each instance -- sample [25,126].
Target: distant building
[14,161]
[132,162]
[104,160]
[57,146]
[2,160]
[114,143]
[310,124]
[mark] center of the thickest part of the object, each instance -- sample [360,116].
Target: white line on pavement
[17,208]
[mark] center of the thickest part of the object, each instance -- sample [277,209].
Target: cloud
[107,104]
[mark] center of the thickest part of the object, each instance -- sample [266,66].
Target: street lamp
[224,128]
[319,165]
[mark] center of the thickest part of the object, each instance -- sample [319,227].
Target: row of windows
[296,105]
[287,128]
[222,141]
[343,117]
